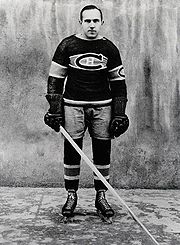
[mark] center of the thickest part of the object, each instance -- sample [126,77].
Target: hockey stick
[110,188]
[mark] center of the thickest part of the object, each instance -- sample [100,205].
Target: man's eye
[88,21]
[96,21]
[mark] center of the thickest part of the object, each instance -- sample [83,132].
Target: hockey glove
[119,126]
[120,122]
[54,117]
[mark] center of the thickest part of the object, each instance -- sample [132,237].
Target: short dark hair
[88,7]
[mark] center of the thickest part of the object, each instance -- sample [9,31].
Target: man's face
[91,23]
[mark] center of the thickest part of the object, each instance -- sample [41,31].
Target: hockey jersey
[93,69]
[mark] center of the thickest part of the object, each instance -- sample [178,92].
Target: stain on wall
[147,34]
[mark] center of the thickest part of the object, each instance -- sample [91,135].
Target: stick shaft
[110,188]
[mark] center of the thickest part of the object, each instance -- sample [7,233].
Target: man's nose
[92,24]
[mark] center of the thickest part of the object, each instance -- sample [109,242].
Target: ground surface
[32,216]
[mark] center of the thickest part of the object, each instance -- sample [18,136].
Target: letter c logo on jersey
[88,61]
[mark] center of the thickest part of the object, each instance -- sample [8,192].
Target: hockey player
[94,97]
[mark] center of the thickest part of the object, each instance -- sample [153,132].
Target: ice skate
[104,210]
[69,206]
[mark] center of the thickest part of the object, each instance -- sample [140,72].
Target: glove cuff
[56,103]
[53,97]
[119,106]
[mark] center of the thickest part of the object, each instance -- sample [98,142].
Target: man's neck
[81,36]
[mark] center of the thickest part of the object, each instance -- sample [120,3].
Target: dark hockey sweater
[93,69]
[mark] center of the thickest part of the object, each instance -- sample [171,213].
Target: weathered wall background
[147,34]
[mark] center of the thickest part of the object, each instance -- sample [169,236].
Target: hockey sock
[72,165]
[101,158]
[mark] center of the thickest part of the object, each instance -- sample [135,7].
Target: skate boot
[70,205]
[104,210]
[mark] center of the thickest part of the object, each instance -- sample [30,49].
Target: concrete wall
[147,33]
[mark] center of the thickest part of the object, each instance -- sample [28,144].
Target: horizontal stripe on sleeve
[57,70]
[117,73]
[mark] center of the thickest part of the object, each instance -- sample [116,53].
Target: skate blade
[67,220]
[107,220]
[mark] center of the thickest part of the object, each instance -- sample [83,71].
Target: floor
[33,216]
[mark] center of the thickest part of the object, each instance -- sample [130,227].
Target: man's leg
[71,175]
[101,141]
[101,157]
[72,165]
[74,124]
[101,146]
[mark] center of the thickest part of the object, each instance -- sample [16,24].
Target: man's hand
[119,125]
[53,120]
[55,116]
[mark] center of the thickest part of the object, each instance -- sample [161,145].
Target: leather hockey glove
[54,117]
[120,122]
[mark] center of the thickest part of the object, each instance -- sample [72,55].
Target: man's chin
[92,36]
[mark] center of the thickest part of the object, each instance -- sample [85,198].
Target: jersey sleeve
[116,73]
[59,62]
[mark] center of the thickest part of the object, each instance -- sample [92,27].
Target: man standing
[94,97]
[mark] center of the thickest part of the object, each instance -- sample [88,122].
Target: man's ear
[102,22]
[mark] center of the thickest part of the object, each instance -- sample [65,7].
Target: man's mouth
[92,31]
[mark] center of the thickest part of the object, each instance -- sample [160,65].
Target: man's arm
[55,85]
[120,121]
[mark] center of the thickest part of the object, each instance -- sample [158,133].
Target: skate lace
[104,203]
[70,200]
